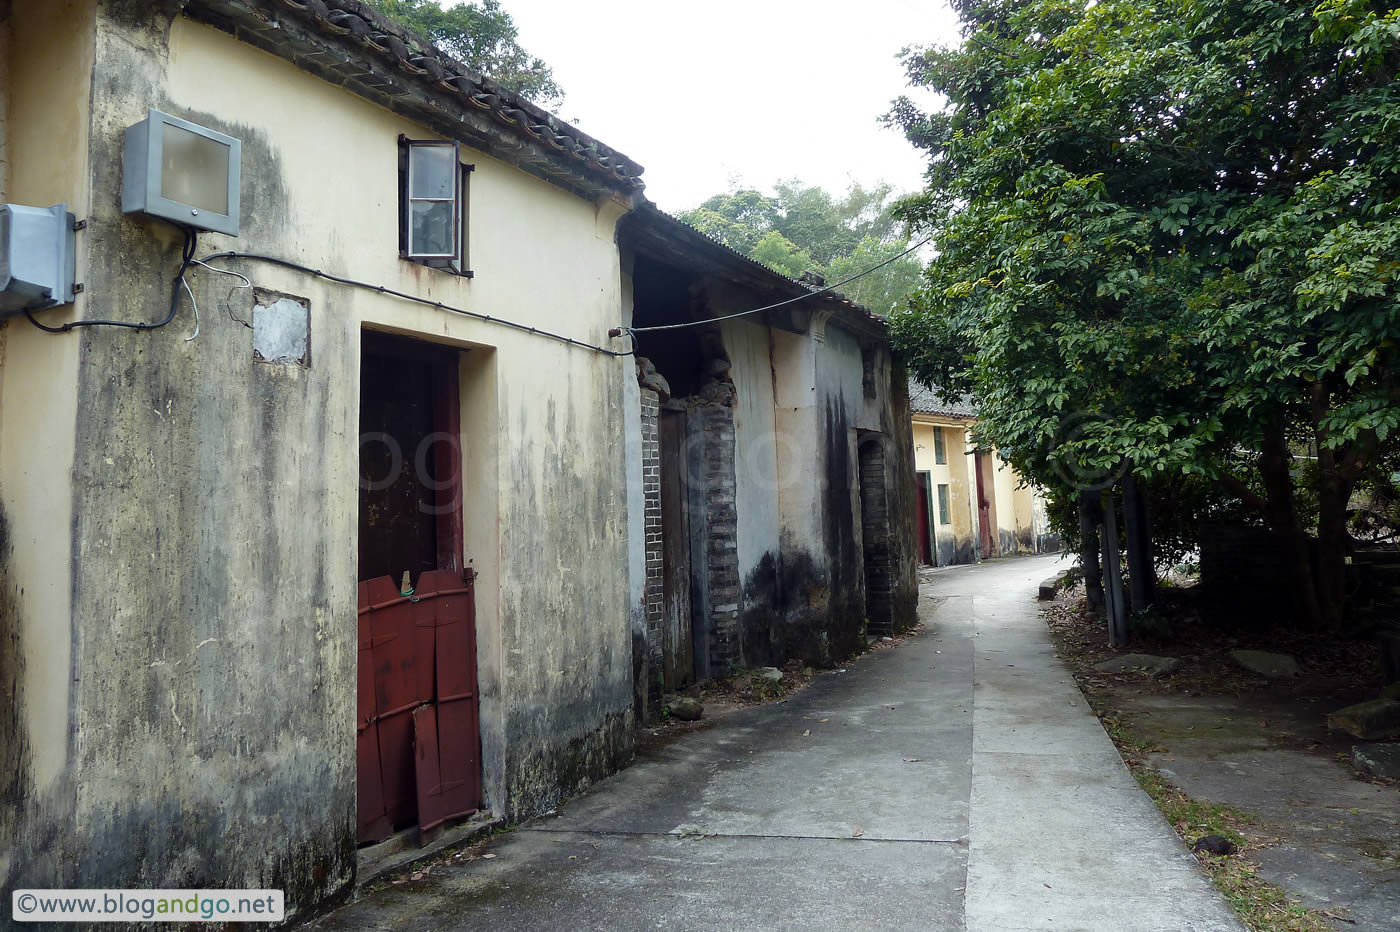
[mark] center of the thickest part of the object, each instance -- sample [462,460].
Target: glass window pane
[433,172]
[943,516]
[193,169]
[431,230]
[940,454]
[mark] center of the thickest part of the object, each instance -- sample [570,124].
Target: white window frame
[455,261]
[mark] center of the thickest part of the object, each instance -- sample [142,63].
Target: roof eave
[354,46]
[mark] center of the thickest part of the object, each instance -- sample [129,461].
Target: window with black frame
[433,185]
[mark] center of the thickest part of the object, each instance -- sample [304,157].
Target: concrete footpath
[956,782]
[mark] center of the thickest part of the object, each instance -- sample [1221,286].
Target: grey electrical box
[182,172]
[36,258]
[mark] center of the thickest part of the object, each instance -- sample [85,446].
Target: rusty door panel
[427,769]
[417,703]
[374,824]
[459,742]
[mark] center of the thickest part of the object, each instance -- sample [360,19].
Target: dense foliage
[481,36]
[801,228]
[1168,240]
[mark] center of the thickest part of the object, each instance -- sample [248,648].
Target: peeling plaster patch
[282,329]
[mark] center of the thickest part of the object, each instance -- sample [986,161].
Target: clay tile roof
[386,54]
[925,400]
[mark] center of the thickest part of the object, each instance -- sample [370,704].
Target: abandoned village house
[461,463]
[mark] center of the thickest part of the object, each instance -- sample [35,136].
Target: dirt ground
[1257,751]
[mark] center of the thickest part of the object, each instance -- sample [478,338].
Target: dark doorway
[925,524]
[418,744]
[677,629]
[875,532]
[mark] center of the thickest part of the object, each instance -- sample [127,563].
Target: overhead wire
[769,307]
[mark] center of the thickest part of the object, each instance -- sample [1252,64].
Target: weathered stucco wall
[758,445]
[213,616]
[811,603]
[47,70]
[1008,504]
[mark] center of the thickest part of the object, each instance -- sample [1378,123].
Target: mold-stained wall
[211,723]
[810,602]
[955,542]
[47,72]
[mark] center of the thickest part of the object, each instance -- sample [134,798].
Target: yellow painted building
[972,503]
[373,475]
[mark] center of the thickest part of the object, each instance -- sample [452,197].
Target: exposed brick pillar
[651,495]
[875,535]
[721,552]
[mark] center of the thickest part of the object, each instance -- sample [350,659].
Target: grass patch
[1262,906]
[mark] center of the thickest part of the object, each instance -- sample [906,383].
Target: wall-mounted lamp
[181,172]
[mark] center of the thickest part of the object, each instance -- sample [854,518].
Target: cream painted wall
[541,257]
[1005,483]
[956,541]
[203,726]
[47,68]
[756,443]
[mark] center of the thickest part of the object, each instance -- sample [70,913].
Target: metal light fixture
[36,258]
[181,172]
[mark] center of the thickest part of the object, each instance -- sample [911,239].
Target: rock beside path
[771,674]
[1150,664]
[687,709]
[1266,664]
[1375,720]
[1379,760]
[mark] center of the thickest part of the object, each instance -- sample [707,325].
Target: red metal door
[419,743]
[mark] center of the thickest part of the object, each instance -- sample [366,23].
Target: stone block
[1379,760]
[1375,720]
[686,709]
[1266,664]
[1149,664]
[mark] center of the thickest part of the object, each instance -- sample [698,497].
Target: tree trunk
[1334,488]
[1089,546]
[1137,532]
[1282,516]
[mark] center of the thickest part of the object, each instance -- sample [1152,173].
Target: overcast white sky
[759,90]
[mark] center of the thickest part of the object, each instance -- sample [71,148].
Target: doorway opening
[418,744]
[924,481]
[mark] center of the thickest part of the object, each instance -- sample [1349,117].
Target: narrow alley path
[959,781]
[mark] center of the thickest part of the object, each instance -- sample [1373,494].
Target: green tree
[802,228]
[482,36]
[778,252]
[1167,232]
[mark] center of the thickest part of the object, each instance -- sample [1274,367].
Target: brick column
[721,552]
[875,535]
[651,496]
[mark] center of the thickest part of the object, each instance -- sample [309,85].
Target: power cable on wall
[769,307]
[188,258]
[186,255]
[384,289]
